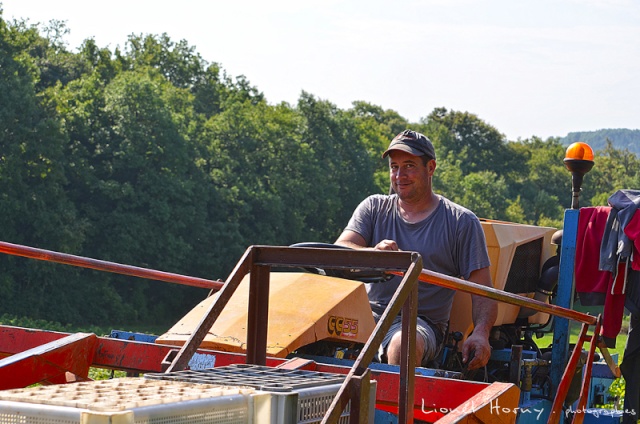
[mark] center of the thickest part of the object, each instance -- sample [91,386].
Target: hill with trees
[620,138]
[151,156]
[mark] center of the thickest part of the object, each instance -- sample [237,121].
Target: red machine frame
[37,356]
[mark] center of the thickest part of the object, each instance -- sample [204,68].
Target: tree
[485,194]
[178,62]
[613,169]
[343,168]
[448,176]
[35,209]
[50,62]
[543,184]
[377,127]
[150,156]
[255,163]
[480,145]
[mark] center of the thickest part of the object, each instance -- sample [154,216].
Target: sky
[528,67]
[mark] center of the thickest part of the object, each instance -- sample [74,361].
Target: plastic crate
[127,401]
[257,376]
[283,396]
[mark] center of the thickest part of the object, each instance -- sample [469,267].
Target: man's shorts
[425,330]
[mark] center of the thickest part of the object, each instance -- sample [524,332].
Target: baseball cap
[411,142]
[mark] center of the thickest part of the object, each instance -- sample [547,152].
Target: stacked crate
[283,396]
[127,401]
[235,394]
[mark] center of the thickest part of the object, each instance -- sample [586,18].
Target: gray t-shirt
[450,240]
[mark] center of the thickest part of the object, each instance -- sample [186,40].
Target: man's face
[410,177]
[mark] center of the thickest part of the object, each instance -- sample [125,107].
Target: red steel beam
[586,381]
[563,388]
[79,261]
[454,283]
[56,362]
[431,395]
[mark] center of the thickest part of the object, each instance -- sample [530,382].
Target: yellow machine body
[303,308]
[503,241]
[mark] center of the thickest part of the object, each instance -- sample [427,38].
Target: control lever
[466,373]
[452,357]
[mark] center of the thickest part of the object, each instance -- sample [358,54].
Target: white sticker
[201,361]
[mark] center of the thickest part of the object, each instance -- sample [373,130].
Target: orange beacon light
[578,160]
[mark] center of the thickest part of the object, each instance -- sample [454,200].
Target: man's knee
[394,349]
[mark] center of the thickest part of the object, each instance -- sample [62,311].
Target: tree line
[621,138]
[151,156]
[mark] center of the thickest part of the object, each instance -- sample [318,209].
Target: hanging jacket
[632,230]
[617,249]
[593,285]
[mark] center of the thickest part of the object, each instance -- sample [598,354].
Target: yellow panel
[502,240]
[303,308]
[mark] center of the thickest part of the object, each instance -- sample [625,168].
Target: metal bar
[331,258]
[615,369]
[370,348]
[586,379]
[454,283]
[79,261]
[183,357]
[287,256]
[567,376]
[358,394]
[141,357]
[49,362]
[258,315]
[515,364]
[360,404]
[408,348]
[497,403]
[400,297]
[564,297]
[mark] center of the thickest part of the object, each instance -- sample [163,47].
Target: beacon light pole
[578,160]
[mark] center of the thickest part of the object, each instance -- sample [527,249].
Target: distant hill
[621,139]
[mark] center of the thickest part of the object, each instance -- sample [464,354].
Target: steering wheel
[364,275]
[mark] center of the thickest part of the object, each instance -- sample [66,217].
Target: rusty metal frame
[454,283]
[144,357]
[569,372]
[59,361]
[442,280]
[99,265]
[257,260]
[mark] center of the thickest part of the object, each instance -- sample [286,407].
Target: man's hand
[387,245]
[484,312]
[354,240]
[481,349]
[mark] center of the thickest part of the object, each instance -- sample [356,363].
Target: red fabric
[632,230]
[591,224]
[589,278]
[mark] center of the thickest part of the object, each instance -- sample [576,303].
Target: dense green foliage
[151,156]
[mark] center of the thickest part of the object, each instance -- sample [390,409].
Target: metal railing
[257,262]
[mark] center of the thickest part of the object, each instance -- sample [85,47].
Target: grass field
[618,386]
[574,329]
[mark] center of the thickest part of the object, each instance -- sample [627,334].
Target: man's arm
[484,313]
[351,239]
